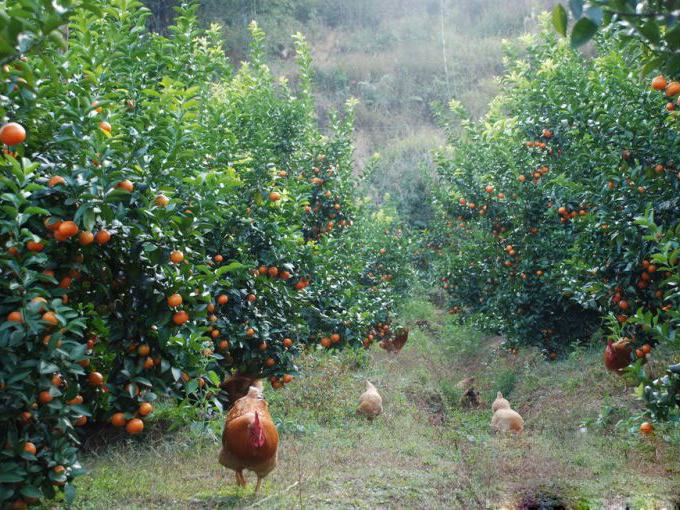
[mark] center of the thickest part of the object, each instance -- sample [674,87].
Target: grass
[424,451]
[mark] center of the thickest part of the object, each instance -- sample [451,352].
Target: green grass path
[424,451]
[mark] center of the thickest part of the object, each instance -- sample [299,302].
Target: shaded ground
[424,451]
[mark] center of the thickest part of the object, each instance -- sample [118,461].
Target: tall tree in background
[163,14]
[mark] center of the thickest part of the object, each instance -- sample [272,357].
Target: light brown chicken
[370,402]
[507,420]
[499,403]
[250,439]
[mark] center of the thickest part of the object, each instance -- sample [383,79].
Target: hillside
[399,58]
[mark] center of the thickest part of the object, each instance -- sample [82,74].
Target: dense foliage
[562,207]
[653,23]
[165,221]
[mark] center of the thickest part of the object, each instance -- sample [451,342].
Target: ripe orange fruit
[250,332]
[118,420]
[145,408]
[102,237]
[85,238]
[162,201]
[12,134]
[51,318]
[15,316]
[35,246]
[174,300]
[273,272]
[180,317]
[325,342]
[673,89]
[659,83]
[44,397]
[284,275]
[126,185]
[287,343]
[143,350]
[67,229]
[176,256]
[211,307]
[639,353]
[335,338]
[274,196]
[651,268]
[646,428]
[218,258]
[59,469]
[95,379]
[489,188]
[623,305]
[646,349]
[287,378]
[134,426]
[547,133]
[105,126]
[251,298]
[659,169]
[522,178]
[30,448]
[223,299]
[269,362]
[77,400]
[263,346]
[223,345]
[55,181]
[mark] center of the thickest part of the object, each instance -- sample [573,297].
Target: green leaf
[559,20]
[583,31]
[229,268]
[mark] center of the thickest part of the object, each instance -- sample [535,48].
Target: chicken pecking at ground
[499,403]
[370,402]
[395,344]
[505,419]
[250,439]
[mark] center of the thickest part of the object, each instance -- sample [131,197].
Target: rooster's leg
[240,479]
[259,481]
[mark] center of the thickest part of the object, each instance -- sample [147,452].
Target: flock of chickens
[250,440]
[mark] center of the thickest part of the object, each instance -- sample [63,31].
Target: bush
[562,204]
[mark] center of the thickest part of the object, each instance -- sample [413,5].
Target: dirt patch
[541,499]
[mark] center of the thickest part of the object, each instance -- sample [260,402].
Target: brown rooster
[395,344]
[250,439]
[617,355]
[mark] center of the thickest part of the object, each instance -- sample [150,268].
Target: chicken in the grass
[395,344]
[250,439]
[507,420]
[617,355]
[370,402]
[499,403]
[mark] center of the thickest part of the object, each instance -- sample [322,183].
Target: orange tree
[165,221]
[551,198]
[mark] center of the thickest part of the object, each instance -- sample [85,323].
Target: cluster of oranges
[672,89]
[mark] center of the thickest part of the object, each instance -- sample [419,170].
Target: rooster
[250,439]
[617,355]
[395,344]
